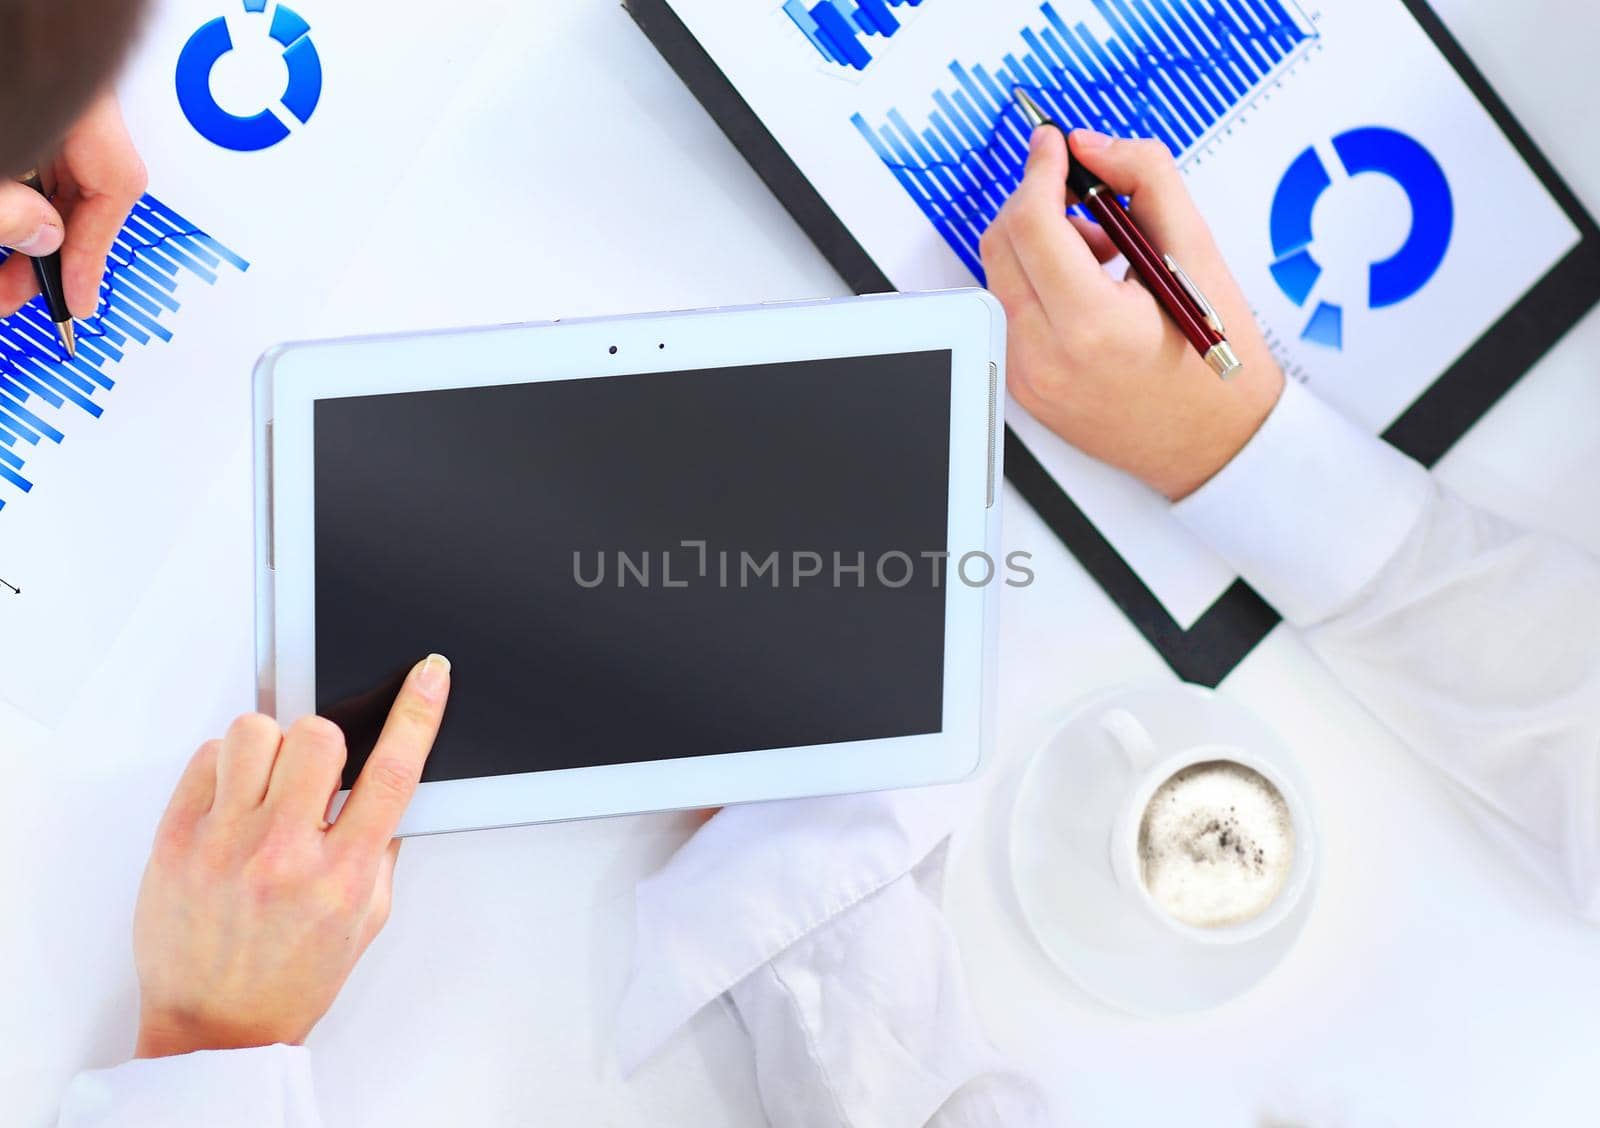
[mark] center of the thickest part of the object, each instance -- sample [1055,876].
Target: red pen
[1175,290]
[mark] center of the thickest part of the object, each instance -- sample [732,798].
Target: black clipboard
[1231,627]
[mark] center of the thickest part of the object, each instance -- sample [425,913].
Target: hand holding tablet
[679,560]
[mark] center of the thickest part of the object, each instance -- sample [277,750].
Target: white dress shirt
[1477,643]
[816,922]
[269,1087]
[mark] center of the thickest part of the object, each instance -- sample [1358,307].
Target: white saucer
[1060,858]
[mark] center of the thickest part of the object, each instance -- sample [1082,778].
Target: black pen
[47,269]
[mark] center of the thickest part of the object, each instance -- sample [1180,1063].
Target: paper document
[273,135]
[1357,187]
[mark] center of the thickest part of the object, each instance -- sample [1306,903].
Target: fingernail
[431,675]
[1090,140]
[45,241]
[1036,141]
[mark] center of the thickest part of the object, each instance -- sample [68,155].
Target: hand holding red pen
[1098,360]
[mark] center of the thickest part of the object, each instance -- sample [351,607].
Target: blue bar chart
[1174,70]
[838,28]
[42,394]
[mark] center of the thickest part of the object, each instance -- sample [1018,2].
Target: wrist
[169,1035]
[1235,418]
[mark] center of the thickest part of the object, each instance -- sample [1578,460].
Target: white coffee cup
[1149,769]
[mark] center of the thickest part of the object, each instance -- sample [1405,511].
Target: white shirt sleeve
[269,1087]
[816,922]
[1476,642]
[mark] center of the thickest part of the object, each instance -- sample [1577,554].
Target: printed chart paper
[1355,184]
[273,135]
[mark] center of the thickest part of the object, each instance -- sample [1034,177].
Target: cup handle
[1131,738]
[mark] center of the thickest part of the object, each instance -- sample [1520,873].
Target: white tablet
[677,560]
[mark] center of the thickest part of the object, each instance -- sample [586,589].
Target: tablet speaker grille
[994,425]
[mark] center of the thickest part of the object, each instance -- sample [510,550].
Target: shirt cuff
[266,1087]
[755,880]
[1311,509]
[867,1021]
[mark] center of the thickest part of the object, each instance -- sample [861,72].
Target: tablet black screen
[535,534]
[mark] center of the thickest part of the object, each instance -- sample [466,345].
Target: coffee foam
[1216,844]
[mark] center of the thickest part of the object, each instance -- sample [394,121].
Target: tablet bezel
[969,323]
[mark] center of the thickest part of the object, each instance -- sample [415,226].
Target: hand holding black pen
[47,269]
[94,177]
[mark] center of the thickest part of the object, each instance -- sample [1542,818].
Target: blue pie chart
[1380,151]
[262,130]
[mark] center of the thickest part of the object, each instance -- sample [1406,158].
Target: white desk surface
[1432,982]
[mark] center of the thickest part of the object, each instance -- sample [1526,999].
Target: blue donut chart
[1403,160]
[207,46]
[1302,186]
[1369,149]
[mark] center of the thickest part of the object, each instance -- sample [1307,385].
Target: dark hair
[57,54]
